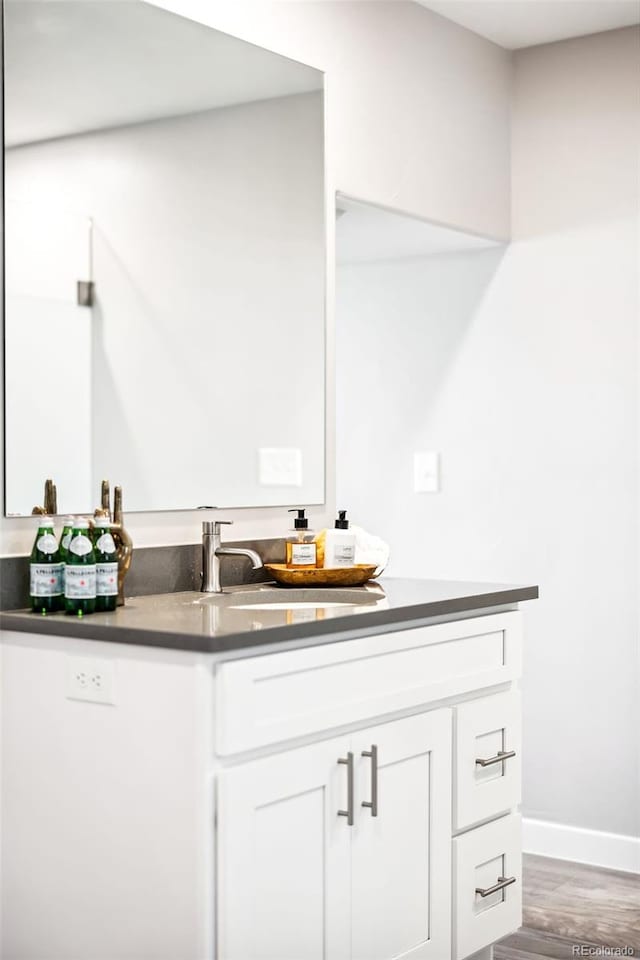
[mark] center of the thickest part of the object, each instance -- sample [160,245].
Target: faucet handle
[213,526]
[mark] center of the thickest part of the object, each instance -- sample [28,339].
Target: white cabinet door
[284,871]
[401,851]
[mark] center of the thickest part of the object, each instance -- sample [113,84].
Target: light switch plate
[280,466]
[426,471]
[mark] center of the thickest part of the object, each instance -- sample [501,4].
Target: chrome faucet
[212,550]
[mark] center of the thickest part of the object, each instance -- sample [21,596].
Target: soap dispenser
[340,544]
[301,543]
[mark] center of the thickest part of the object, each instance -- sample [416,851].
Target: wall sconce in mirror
[85,293]
[85,289]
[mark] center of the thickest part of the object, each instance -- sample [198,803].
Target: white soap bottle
[340,544]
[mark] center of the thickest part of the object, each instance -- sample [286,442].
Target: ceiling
[525,23]
[71,67]
[367,233]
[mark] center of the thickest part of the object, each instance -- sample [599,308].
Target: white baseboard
[611,850]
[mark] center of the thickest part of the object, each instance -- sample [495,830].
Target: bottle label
[66,540]
[47,543]
[344,554]
[303,554]
[80,545]
[80,582]
[106,579]
[106,544]
[46,579]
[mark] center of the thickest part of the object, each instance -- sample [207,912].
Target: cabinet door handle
[373,803]
[348,813]
[499,757]
[500,885]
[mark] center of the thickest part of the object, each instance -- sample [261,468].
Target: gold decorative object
[319,577]
[104,499]
[50,507]
[123,541]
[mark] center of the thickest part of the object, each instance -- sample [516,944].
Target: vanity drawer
[484,858]
[484,729]
[280,696]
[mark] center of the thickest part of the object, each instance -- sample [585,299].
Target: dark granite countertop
[239,619]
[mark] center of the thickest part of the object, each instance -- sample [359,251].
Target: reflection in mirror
[165,262]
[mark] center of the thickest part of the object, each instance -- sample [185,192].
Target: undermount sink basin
[292,605]
[279,598]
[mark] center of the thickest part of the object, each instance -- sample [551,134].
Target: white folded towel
[370,549]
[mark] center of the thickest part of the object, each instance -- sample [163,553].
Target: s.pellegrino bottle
[80,572]
[65,540]
[45,570]
[106,565]
[65,537]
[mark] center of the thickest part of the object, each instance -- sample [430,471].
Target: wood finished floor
[567,904]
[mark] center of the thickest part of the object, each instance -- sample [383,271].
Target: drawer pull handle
[500,885]
[499,757]
[348,813]
[373,803]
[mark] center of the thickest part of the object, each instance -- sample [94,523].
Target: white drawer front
[483,858]
[280,696]
[484,729]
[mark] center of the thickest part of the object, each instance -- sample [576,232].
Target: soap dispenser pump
[301,543]
[340,544]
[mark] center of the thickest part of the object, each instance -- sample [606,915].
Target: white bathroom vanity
[324,783]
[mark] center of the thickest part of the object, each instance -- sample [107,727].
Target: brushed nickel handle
[348,813]
[373,803]
[499,757]
[500,885]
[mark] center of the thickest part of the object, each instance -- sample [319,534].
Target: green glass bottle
[80,572]
[65,537]
[106,565]
[65,540]
[45,570]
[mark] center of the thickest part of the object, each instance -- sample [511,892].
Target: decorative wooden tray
[323,577]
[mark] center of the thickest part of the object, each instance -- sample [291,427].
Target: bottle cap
[80,524]
[342,523]
[44,521]
[300,522]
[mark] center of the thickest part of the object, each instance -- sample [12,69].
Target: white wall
[415,372]
[418,107]
[208,261]
[522,370]
[418,119]
[572,291]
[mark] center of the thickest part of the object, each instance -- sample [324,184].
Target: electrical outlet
[89,678]
[426,471]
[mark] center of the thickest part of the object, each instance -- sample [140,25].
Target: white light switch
[280,466]
[426,471]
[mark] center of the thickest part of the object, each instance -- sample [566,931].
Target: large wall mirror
[165,262]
